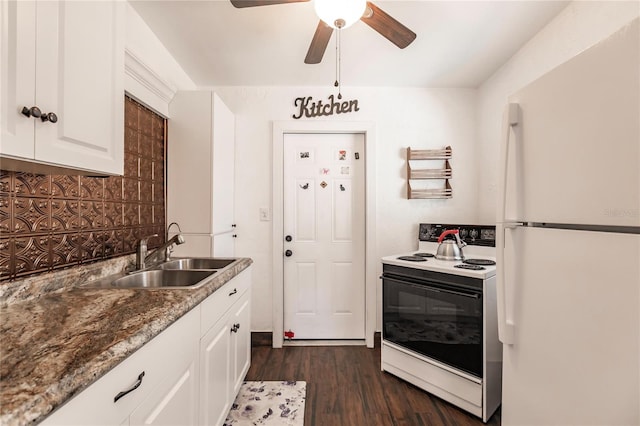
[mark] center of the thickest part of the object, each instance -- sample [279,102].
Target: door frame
[280,128]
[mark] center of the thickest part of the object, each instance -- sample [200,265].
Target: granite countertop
[55,345]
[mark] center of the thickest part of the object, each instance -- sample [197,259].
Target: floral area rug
[268,403]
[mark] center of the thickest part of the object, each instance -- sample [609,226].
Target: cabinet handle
[34,111]
[235,290]
[50,116]
[134,387]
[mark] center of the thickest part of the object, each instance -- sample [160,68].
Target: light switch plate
[265,214]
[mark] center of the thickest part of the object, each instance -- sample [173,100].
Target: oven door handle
[432,289]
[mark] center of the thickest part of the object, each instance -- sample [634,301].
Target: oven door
[435,319]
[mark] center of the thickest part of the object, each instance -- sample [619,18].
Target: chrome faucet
[162,253]
[142,250]
[180,240]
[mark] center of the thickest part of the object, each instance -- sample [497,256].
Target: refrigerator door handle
[512,118]
[505,287]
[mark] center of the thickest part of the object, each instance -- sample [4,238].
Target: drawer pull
[235,290]
[134,387]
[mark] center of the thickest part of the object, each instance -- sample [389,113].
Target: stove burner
[413,258]
[424,254]
[472,267]
[479,262]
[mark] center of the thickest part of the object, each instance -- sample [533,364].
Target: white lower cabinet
[187,375]
[225,348]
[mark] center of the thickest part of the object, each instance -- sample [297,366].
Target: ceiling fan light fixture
[340,13]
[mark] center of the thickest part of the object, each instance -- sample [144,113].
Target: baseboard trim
[265,338]
[319,342]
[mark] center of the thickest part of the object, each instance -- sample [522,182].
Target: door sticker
[342,155]
[344,170]
[305,154]
[305,186]
[342,188]
[323,184]
[324,171]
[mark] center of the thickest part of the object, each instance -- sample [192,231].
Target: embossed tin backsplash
[49,222]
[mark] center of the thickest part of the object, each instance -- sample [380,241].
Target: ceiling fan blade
[318,43]
[388,27]
[254,3]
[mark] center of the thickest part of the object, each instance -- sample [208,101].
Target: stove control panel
[478,235]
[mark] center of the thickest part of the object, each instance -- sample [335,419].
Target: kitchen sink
[156,279]
[190,272]
[195,263]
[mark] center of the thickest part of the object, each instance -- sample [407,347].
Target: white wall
[416,117]
[580,25]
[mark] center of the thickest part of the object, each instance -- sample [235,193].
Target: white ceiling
[458,44]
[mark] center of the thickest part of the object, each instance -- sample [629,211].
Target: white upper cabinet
[67,60]
[200,172]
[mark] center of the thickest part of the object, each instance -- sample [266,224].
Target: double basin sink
[175,273]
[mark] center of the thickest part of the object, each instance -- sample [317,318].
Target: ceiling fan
[373,16]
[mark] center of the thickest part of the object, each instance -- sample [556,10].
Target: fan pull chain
[338,64]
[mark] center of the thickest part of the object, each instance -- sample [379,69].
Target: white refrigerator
[568,242]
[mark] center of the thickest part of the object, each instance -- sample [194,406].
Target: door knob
[288,238]
[50,116]
[34,111]
[288,253]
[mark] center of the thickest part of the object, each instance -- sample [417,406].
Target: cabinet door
[215,384]
[189,159]
[223,166]
[17,76]
[241,341]
[224,245]
[80,78]
[173,402]
[200,163]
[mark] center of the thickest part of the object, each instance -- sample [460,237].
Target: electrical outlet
[265,214]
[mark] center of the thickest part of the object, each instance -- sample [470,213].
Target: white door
[324,261]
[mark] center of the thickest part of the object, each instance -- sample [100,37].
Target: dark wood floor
[345,387]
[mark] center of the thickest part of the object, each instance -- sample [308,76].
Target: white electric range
[440,320]
[471,252]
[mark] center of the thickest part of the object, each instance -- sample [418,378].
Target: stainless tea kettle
[450,249]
